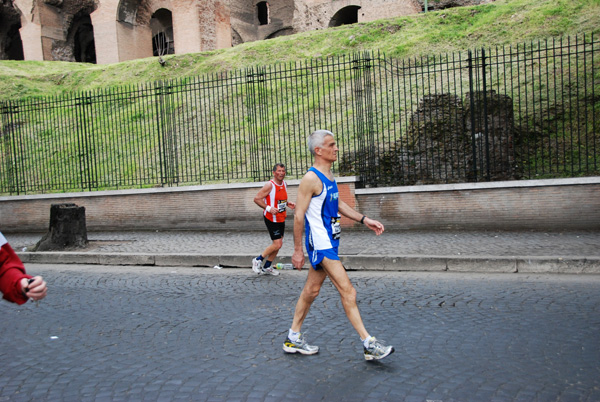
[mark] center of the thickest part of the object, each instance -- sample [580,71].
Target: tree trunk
[67,228]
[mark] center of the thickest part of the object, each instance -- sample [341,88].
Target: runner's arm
[262,194]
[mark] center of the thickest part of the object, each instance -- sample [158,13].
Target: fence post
[485,117]
[252,130]
[472,106]
[87,169]
[254,101]
[161,154]
[10,177]
[363,101]
[166,140]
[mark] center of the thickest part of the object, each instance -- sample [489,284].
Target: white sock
[366,341]
[293,336]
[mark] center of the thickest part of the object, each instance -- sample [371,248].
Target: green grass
[504,22]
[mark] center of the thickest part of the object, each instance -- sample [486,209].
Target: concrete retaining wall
[226,207]
[558,204]
[564,204]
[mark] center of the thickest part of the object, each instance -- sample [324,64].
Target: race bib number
[336,228]
[281,205]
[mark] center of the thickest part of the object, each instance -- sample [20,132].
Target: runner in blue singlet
[318,209]
[322,223]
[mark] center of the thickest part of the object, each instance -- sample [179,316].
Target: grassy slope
[504,22]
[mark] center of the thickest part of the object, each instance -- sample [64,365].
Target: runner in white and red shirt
[273,199]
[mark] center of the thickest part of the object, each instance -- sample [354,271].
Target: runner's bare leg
[338,276]
[311,289]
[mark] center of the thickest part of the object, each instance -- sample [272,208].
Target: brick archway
[134,30]
[56,26]
[161,24]
[345,16]
[81,35]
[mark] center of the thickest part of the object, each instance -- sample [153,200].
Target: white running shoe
[270,271]
[300,346]
[377,350]
[256,266]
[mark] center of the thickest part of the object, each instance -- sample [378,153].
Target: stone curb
[571,265]
[414,263]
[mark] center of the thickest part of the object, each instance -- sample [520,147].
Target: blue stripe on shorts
[316,256]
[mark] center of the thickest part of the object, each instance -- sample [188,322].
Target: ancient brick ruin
[110,31]
[474,139]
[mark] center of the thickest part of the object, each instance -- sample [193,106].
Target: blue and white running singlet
[322,222]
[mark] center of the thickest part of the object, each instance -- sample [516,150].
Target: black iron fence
[493,114]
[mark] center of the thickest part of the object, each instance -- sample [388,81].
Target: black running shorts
[276,229]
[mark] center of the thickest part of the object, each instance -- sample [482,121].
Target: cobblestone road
[160,334]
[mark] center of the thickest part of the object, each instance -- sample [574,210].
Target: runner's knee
[311,293]
[348,294]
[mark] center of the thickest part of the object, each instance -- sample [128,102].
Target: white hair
[316,139]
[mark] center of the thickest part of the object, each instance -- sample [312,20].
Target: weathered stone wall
[121,28]
[437,142]
[448,135]
[489,120]
[447,140]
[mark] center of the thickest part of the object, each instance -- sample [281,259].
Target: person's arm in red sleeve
[12,272]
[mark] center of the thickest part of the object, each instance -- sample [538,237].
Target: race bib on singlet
[336,228]
[281,205]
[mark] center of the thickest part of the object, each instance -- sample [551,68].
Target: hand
[291,204]
[374,225]
[35,290]
[298,259]
[271,210]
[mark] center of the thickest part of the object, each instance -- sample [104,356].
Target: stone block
[484,265]
[572,265]
[185,260]
[405,263]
